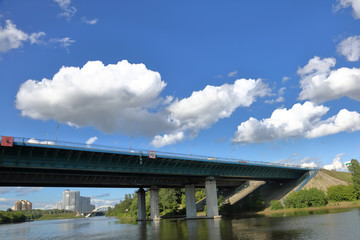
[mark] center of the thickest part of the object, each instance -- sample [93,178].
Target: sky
[272,81]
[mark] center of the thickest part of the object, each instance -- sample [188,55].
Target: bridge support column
[211,198]
[190,201]
[141,205]
[154,203]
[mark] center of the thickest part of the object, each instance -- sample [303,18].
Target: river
[307,225]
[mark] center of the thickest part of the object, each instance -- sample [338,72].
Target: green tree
[340,193]
[276,205]
[306,198]
[354,168]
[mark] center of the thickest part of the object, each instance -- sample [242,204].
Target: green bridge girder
[28,164]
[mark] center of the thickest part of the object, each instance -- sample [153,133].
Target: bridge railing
[144,152]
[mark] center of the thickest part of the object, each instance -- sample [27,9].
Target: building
[74,202]
[23,205]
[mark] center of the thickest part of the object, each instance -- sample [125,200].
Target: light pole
[191,148]
[131,140]
[57,127]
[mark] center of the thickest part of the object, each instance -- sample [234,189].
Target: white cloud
[91,140]
[6,203]
[319,83]
[65,42]
[88,21]
[343,121]
[4,190]
[167,139]
[205,107]
[302,120]
[114,97]
[126,97]
[23,191]
[102,195]
[11,37]
[34,141]
[309,165]
[103,202]
[336,164]
[232,74]
[35,38]
[68,10]
[285,79]
[350,48]
[280,97]
[355,4]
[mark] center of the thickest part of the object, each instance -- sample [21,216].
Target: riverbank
[58,216]
[329,206]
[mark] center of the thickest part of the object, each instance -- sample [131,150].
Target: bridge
[27,162]
[97,209]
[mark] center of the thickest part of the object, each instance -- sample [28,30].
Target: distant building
[74,202]
[23,205]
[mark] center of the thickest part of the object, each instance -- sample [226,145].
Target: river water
[306,225]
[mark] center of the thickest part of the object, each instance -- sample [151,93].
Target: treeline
[11,216]
[317,198]
[171,202]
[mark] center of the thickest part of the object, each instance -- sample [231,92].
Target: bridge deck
[31,164]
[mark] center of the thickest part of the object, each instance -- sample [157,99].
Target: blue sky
[256,80]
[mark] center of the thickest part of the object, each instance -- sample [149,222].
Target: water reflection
[314,225]
[192,229]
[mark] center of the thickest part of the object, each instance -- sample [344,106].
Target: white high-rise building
[74,202]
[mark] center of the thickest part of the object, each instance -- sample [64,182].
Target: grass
[58,216]
[345,176]
[330,205]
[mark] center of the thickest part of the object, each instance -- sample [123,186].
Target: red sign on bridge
[7,141]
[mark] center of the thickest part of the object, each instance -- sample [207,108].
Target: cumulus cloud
[11,37]
[114,97]
[126,97]
[88,21]
[167,139]
[91,140]
[350,48]
[336,164]
[320,84]
[68,10]
[355,4]
[302,120]
[205,107]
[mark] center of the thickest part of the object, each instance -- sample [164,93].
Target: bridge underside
[74,178]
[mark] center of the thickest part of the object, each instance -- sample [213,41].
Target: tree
[340,193]
[306,198]
[354,168]
[276,205]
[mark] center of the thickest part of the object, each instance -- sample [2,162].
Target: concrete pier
[154,203]
[141,205]
[211,198]
[190,201]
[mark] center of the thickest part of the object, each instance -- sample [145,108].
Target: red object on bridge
[7,141]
